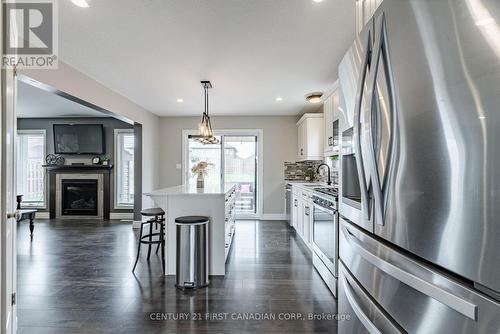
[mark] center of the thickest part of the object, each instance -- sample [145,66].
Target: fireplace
[79,197]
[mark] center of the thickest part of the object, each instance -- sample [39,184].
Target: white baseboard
[121,215]
[273,216]
[42,215]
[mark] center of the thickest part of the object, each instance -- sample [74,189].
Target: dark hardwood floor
[75,277]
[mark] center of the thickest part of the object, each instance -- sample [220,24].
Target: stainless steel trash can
[192,252]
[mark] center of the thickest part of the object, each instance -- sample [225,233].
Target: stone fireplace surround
[99,172]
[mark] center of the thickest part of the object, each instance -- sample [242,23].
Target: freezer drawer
[365,316]
[420,298]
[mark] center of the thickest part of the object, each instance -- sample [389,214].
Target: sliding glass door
[235,160]
[240,167]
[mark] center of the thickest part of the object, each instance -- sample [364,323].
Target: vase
[200,181]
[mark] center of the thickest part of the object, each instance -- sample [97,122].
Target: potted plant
[200,169]
[104,159]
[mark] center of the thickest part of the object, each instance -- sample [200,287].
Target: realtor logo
[31,34]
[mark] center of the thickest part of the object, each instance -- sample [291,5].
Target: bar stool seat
[153,212]
[152,238]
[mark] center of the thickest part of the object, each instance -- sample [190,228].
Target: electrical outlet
[178,166]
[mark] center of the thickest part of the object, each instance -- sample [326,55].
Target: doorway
[236,159]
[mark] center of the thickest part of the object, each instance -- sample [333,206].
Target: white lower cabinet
[230,225]
[302,214]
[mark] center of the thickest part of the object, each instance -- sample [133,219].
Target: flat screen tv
[79,139]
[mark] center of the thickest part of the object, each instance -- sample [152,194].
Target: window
[30,173]
[124,168]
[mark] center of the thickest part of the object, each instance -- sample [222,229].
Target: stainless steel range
[325,235]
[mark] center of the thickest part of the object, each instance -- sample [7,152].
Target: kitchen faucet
[329,182]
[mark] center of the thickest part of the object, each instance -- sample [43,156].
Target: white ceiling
[253,51]
[33,102]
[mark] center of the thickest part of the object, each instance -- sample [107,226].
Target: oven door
[325,237]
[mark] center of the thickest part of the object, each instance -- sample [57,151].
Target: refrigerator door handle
[365,320]
[356,136]
[445,297]
[381,49]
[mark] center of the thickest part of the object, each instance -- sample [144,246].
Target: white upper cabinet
[310,137]
[331,115]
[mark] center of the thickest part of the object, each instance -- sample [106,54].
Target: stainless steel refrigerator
[420,179]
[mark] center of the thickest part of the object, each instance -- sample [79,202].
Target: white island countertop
[190,189]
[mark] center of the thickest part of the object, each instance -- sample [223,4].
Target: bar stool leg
[161,225]
[150,238]
[162,231]
[138,249]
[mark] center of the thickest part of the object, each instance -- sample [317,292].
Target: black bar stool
[157,220]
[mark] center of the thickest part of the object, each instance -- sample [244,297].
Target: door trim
[8,269]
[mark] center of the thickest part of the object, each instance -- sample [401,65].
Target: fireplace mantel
[53,171]
[52,168]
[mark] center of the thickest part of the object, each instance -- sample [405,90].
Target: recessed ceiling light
[80,3]
[279,99]
[180,100]
[314,98]
[318,1]
[482,117]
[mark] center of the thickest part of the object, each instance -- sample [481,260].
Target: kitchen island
[214,201]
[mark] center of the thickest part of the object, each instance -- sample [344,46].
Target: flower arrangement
[200,168]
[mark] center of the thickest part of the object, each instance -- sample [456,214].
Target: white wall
[75,83]
[280,145]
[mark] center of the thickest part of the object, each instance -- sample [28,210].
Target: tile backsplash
[298,171]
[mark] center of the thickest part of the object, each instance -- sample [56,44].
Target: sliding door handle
[421,285]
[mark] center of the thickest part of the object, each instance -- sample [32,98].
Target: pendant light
[205,132]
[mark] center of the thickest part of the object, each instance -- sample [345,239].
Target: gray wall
[280,145]
[109,123]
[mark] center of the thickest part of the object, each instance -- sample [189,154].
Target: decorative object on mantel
[96,160]
[104,159]
[200,168]
[54,160]
[205,132]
